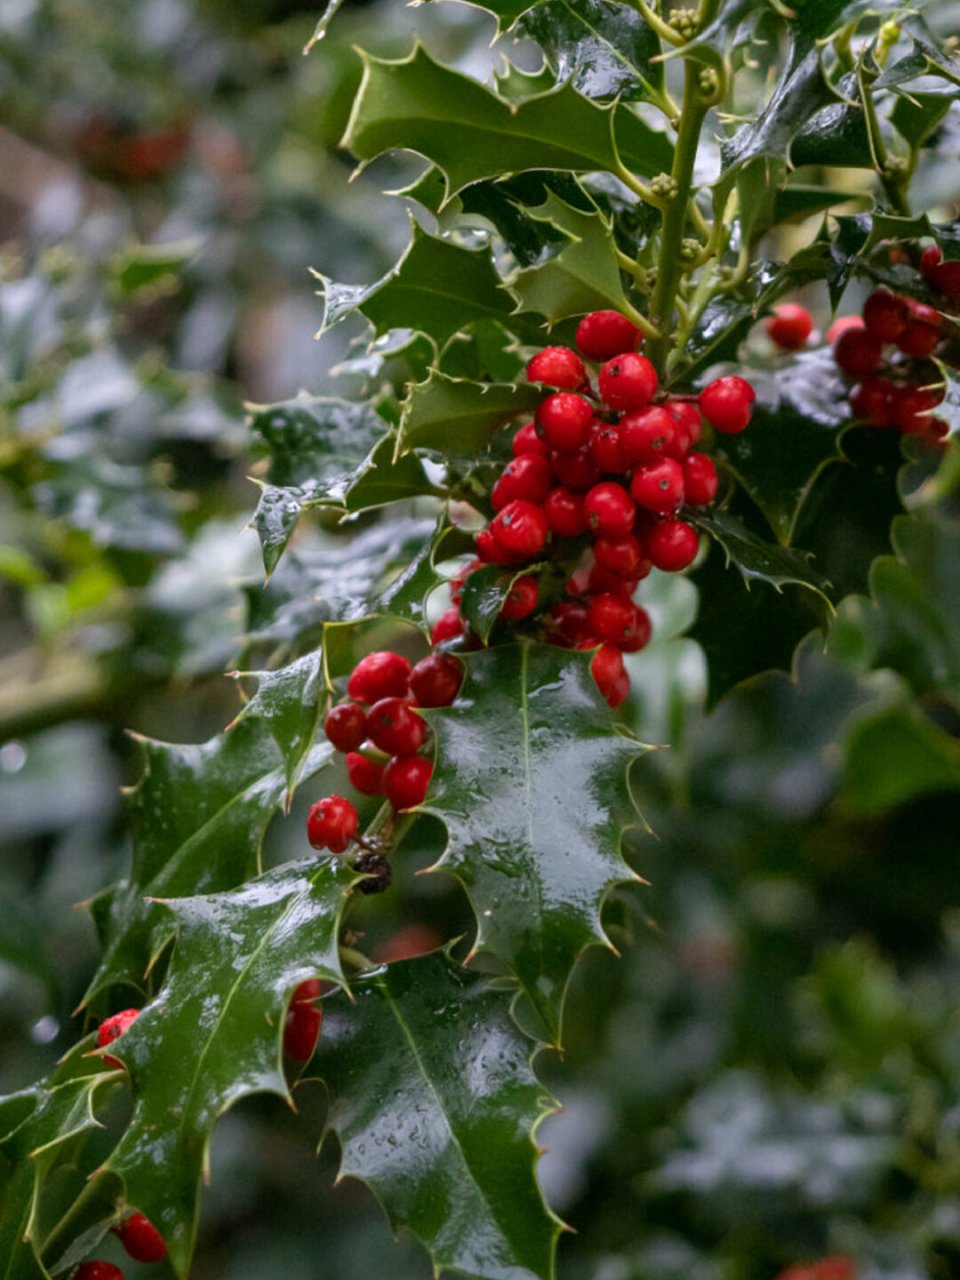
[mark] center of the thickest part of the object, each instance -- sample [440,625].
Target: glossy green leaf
[405,597]
[583,275]
[437,288]
[291,702]
[604,49]
[199,814]
[820,18]
[531,783]
[434,1101]
[917,115]
[894,758]
[759,561]
[382,478]
[457,418]
[470,133]
[214,1033]
[836,135]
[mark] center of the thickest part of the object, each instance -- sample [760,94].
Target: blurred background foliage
[773,1070]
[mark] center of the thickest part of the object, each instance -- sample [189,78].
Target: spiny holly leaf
[605,50]
[456,417]
[759,561]
[836,135]
[583,275]
[789,442]
[406,596]
[470,133]
[198,814]
[435,1103]
[531,783]
[27,1154]
[437,288]
[383,478]
[214,1034]
[291,702]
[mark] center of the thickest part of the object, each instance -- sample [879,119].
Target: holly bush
[669,566]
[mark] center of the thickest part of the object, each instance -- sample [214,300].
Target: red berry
[527,441]
[945,279]
[346,726]
[872,400]
[489,550]
[563,420]
[395,727]
[726,404]
[628,382]
[688,415]
[609,509]
[366,775]
[570,624]
[379,675]
[521,599]
[659,487]
[447,627]
[565,515]
[648,435]
[858,352]
[603,334]
[557,367]
[623,556]
[637,635]
[841,325]
[699,479]
[606,448]
[521,528]
[930,259]
[458,581]
[607,669]
[97,1271]
[601,580]
[922,333]
[610,616]
[301,1031]
[141,1239]
[406,779]
[528,476]
[575,470]
[307,991]
[790,326]
[331,823]
[435,681]
[672,545]
[910,408]
[110,1029]
[885,315]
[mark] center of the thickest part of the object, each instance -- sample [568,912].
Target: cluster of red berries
[897,388]
[596,485]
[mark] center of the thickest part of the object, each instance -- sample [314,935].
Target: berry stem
[663,29]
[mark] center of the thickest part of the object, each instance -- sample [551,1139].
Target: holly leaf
[214,1034]
[895,757]
[434,1102]
[582,275]
[470,133]
[605,50]
[531,784]
[837,134]
[759,561]
[199,814]
[456,417]
[291,702]
[405,597]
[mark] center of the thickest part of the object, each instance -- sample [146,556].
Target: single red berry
[395,727]
[365,775]
[331,823]
[623,556]
[557,367]
[857,352]
[790,326]
[930,259]
[521,528]
[379,675]
[97,1271]
[601,580]
[648,434]
[637,635]
[307,991]
[609,509]
[606,448]
[565,515]
[610,616]
[528,476]
[575,470]
[699,480]
[570,624]
[527,441]
[346,726]
[141,1239]
[521,600]
[922,332]
[688,415]
[563,420]
[910,408]
[841,325]
[448,626]
[628,382]
[885,315]
[489,550]
[673,545]
[110,1029]
[659,487]
[435,681]
[726,403]
[945,279]
[301,1030]
[607,669]
[406,779]
[457,582]
[872,399]
[603,334]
